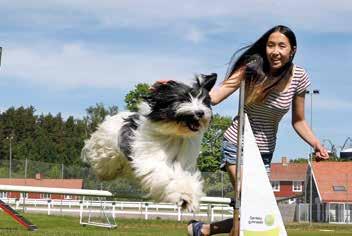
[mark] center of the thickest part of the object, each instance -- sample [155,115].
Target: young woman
[273,83]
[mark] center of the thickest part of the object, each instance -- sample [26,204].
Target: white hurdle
[66,191]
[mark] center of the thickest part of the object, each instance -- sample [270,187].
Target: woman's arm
[303,130]
[227,87]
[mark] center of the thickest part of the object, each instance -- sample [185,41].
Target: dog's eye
[207,101]
[195,92]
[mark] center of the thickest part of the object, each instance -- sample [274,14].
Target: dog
[160,143]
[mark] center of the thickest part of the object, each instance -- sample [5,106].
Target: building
[332,191]
[39,181]
[288,180]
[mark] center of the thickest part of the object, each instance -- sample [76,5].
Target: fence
[119,209]
[216,184]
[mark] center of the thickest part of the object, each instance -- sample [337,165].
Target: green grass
[60,226]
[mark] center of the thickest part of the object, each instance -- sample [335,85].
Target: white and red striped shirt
[265,117]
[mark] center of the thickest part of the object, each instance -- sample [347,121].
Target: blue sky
[64,56]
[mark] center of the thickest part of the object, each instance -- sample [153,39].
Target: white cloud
[194,35]
[74,65]
[332,103]
[318,15]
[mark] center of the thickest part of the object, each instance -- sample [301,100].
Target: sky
[64,56]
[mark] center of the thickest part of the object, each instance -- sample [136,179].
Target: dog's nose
[199,113]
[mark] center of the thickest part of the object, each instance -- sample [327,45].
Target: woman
[273,83]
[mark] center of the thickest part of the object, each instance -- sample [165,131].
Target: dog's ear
[159,91]
[162,85]
[206,81]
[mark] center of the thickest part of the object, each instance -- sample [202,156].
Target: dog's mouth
[193,125]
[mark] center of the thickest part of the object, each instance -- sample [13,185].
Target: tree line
[52,138]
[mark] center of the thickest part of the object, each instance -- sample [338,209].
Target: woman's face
[278,51]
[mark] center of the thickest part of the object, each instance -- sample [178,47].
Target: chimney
[284,161]
[38,176]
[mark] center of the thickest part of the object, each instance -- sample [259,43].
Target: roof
[51,183]
[346,150]
[288,172]
[330,174]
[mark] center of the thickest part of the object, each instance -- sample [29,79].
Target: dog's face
[180,109]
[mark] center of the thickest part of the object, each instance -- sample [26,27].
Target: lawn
[60,226]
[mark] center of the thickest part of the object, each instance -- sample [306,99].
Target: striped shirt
[265,117]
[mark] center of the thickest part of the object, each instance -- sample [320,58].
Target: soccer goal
[96,212]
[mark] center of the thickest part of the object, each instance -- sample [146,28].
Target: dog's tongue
[194,126]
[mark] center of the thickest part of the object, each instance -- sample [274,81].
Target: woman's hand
[151,88]
[321,153]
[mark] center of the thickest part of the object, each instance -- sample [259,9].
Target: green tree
[299,160]
[135,96]
[209,159]
[96,114]
[19,123]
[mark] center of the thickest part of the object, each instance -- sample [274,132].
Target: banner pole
[236,213]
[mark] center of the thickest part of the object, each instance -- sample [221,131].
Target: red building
[332,192]
[39,181]
[288,179]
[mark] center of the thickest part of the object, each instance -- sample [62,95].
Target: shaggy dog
[160,142]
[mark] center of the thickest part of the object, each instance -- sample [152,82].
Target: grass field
[59,225]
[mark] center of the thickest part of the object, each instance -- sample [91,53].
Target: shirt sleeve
[303,83]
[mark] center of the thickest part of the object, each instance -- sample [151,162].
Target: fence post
[209,212]
[146,211]
[49,207]
[24,203]
[113,210]
[178,213]
[17,201]
[299,213]
[80,211]
[61,207]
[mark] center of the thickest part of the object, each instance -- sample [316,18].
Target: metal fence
[216,184]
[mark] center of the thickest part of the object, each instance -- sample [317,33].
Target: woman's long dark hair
[259,48]
[256,62]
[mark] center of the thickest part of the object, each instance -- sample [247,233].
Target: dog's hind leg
[102,151]
[105,160]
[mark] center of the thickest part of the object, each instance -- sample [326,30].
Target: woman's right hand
[254,68]
[321,153]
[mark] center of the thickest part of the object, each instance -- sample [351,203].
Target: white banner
[260,215]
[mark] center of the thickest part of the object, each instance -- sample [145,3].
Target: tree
[19,123]
[96,114]
[135,96]
[299,160]
[209,159]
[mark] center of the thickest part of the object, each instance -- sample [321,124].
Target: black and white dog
[161,142]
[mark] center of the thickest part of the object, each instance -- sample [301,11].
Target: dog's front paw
[186,202]
[184,190]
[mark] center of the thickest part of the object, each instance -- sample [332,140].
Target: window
[276,186]
[339,188]
[3,194]
[297,186]
[45,196]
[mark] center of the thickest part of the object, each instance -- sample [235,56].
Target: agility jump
[65,191]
